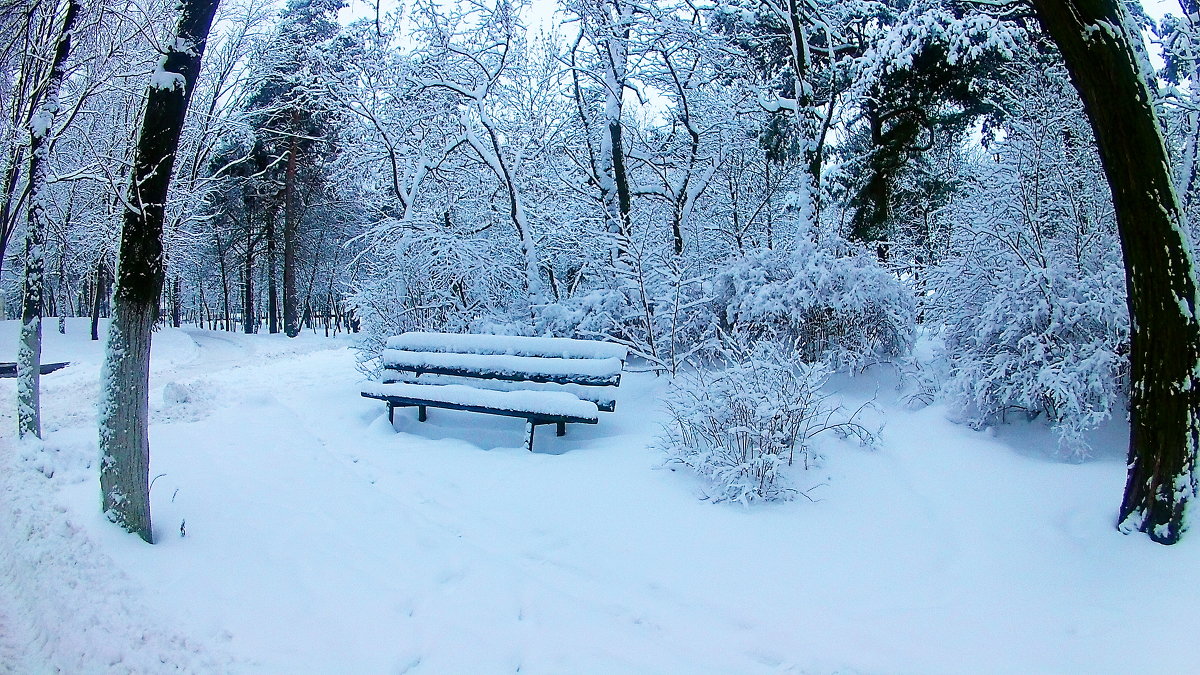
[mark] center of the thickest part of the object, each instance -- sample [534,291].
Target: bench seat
[604,399]
[551,406]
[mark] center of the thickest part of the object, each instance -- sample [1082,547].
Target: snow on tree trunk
[41,125]
[249,315]
[124,441]
[492,154]
[614,177]
[1096,41]
[124,415]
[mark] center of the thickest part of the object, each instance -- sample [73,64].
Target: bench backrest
[507,363]
[458,343]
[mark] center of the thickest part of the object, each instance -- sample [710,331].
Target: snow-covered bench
[543,380]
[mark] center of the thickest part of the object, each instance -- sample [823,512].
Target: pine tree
[289,125]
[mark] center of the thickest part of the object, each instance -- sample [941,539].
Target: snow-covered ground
[298,533]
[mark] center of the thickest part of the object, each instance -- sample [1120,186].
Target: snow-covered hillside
[299,533]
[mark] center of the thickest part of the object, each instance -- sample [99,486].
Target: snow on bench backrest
[563,348]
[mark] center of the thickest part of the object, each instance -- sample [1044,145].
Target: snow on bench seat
[563,348]
[591,371]
[550,404]
[604,400]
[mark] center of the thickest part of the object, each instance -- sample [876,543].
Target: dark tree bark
[224,271]
[99,291]
[1096,42]
[272,287]
[624,213]
[124,439]
[249,315]
[291,323]
[41,128]
[176,302]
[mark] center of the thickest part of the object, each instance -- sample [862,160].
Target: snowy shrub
[431,280]
[589,314]
[738,425]
[652,301]
[830,298]
[1050,341]
[924,370]
[1033,299]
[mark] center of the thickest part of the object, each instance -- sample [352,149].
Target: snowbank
[320,539]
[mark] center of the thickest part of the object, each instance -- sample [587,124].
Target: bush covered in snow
[1049,341]
[739,424]
[432,280]
[830,298]
[652,301]
[1033,293]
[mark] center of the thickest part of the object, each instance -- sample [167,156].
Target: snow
[320,539]
[601,396]
[593,371]
[506,344]
[162,78]
[543,402]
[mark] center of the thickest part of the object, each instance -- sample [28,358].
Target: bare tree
[41,125]
[124,439]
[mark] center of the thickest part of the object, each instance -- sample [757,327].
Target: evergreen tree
[291,139]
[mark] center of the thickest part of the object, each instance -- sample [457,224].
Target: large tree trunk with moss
[1095,37]
[41,126]
[124,441]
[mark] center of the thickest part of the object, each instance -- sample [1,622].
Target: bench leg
[529,427]
[391,413]
[562,428]
[421,416]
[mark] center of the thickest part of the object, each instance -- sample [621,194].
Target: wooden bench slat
[553,406]
[509,345]
[544,380]
[8,369]
[595,372]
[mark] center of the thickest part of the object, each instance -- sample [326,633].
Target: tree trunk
[249,320]
[176,302]
[616,18]
[41,125]
[272,289]
[63,304]
[124,439]
[1096,41]
[98,299]
[223,269]
[291,324]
